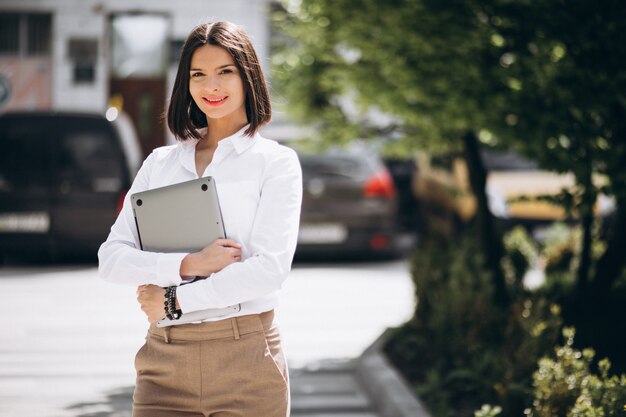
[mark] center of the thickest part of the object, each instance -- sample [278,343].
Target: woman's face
[216,85]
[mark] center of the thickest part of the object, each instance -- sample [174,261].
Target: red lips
[214,101]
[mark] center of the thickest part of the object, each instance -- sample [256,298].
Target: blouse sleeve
[120,257]
[272,244]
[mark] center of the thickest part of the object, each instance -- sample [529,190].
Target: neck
[218,129]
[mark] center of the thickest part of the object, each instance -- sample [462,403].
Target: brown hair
[184,118]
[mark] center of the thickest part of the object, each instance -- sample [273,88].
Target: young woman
[230,365]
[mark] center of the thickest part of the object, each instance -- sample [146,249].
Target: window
[25,33]
[38,30]
[9,33]
[84,73]
[84,53]
[139,45]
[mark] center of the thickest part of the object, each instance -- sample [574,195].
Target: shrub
[560,247]
[521,254]
[443,349]
[460,350]
[565,386]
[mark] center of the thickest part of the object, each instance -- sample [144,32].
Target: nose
[212,83]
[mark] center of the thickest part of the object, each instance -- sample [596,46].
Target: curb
[387,389]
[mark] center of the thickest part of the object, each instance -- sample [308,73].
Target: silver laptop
[183,217]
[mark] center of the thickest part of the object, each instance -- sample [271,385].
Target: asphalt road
[68,340]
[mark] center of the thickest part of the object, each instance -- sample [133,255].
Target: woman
[231,365]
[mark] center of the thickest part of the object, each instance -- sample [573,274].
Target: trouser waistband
[220,329]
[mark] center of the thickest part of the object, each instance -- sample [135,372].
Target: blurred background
[468,154]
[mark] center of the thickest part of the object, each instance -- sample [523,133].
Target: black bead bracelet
[169,304]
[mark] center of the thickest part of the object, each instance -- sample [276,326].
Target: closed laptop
[183,217]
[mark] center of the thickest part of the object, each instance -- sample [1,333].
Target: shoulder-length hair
[184,118]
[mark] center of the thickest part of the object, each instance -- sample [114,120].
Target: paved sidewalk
[322,389]
[328,389]
[54,367]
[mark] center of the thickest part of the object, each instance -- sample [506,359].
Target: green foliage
[565,385]
[544,78]
[410,67]
[559,252]
[522,254]
[597,322]
[459,349]
[488,411]
[560,247]
[547,77]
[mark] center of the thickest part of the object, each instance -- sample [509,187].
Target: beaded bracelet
[169,304]
[173,311]
[166,304]
[171,307]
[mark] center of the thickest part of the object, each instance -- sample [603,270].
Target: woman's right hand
[213,258]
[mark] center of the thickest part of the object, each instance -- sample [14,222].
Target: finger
[233,249]
[228,243]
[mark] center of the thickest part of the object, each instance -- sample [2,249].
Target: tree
[545,77]
[566,59]
[429,64]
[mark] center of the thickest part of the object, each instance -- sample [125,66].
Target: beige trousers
[229,368]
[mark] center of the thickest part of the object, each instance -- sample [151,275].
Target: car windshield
[81,150]
[24,160]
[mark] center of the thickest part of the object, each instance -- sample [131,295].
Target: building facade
[91,55]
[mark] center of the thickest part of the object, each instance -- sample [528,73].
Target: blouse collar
[238,140]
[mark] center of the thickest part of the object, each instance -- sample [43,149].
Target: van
[63,178]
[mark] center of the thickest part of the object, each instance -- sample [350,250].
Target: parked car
[63,177]
[349,206]
[516,189]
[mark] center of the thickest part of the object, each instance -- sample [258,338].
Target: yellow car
[518,191]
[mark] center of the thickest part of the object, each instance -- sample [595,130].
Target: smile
[214,101]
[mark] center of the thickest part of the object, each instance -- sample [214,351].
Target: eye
[226,71]
[196,74]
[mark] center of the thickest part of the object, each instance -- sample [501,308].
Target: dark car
[63,177]
[349,207]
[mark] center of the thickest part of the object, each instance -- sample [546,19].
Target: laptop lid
[183,217]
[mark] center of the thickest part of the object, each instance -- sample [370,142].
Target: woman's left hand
[151,298]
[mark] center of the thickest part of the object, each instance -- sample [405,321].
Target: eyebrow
[220,67]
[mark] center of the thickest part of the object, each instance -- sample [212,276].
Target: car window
[507,161]
[25,157]
[333,166]
[89,157]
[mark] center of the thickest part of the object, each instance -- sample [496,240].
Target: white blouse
[259,184]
